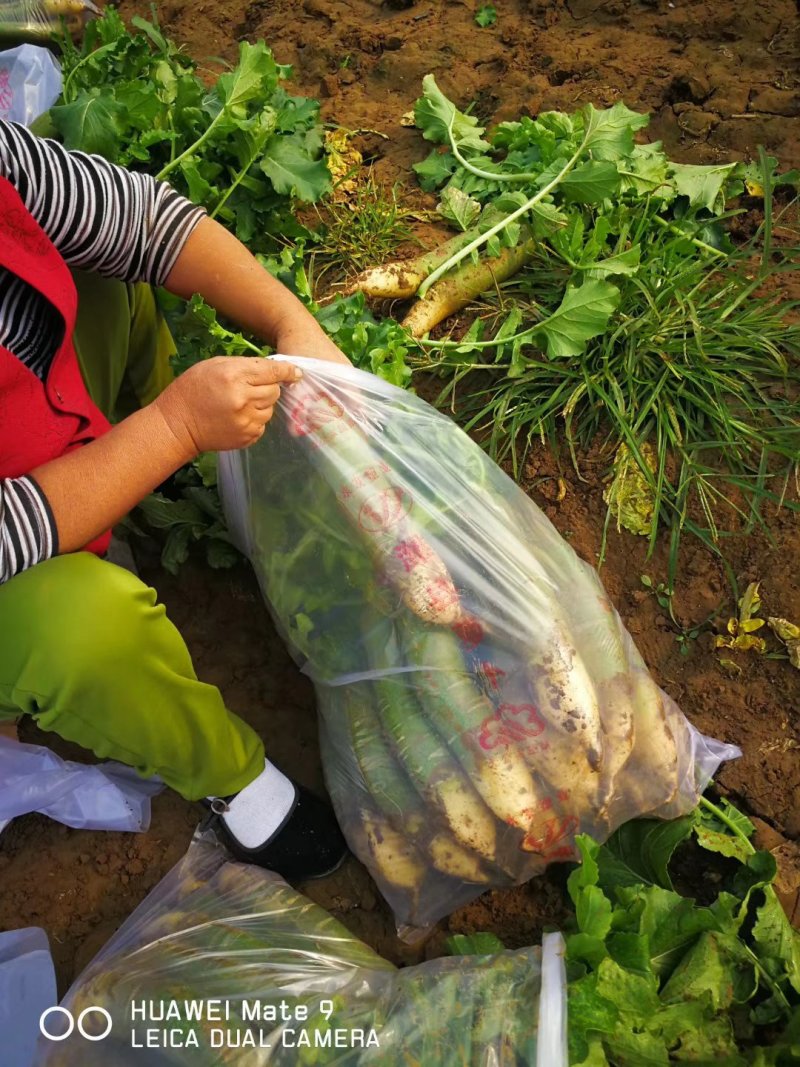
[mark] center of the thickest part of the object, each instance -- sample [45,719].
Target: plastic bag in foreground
[240,969]
[481,701]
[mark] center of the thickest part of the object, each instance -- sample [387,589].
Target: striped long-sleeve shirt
[101,218]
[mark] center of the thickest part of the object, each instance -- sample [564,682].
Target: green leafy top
[441,121]
[656,978]
[486,15]
[240,148]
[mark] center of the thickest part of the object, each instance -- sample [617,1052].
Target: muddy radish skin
[395,857]
[400,280]
[652,768]
[457,290]
[394,795]
[463,717]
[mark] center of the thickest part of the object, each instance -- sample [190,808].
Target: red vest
[40,421]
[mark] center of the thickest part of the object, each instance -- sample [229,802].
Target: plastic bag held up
[258,975]
[481,702]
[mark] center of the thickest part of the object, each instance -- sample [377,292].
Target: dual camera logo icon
[60,1028]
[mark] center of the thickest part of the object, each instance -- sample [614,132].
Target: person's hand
[304,337]
[224,403]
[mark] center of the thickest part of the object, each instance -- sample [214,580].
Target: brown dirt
[719,78]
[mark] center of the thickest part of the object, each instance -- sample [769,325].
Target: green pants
[85,649]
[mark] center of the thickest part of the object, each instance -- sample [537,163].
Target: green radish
[466,720]
[401,280]
[437,776]
[376,502]
[394,795]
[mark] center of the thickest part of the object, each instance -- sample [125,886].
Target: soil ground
[719,78]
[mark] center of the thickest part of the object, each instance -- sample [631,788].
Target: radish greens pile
[240,148]
[630,316]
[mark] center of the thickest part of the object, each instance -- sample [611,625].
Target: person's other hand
[225,402]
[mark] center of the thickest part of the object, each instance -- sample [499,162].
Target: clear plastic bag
[106,796]
[226,964]
[30,83]
[27,988]
[481,701]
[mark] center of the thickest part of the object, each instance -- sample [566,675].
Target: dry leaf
[344,163]
[790,635]
[629,496]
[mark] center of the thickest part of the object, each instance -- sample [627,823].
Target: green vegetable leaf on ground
[439,119]
[486,15]
[455,206]
[583,313]
[293,166]
[656,978]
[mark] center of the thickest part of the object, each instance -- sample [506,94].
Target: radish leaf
[92,123]
[438,118]
[583,313]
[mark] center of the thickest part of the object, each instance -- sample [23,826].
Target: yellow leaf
[408,119]
[750,602]
[748,643]
[562,490]
[754,188]
[344,163]
[748,626]
[629,496]
[729,666]
[790,635]
[733,626]
[720,641]
[787,631]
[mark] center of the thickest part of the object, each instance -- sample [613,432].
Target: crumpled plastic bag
[481,702]
[244,971]
[30,83]
[106,796]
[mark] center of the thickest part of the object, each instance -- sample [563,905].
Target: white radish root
[395,281]
[457,290]
[400,280]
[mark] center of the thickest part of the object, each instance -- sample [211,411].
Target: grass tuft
[701,361]
[366,229]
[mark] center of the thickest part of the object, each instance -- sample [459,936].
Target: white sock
[256,812]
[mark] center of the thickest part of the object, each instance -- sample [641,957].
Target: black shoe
[307,844]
